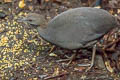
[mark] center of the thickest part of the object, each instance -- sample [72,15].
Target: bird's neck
[41,28]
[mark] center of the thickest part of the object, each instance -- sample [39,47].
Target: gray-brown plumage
[75,28]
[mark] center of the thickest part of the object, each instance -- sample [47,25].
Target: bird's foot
[70,59]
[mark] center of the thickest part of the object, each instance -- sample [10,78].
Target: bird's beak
[22,19]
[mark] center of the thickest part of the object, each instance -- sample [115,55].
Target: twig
[111,43]
[111,7]
[56,76]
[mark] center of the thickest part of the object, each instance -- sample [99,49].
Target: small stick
[52,49]
[111,43]
[56,76]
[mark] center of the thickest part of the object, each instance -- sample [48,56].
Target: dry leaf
[79,69]
[109,68]
[118,11]
[30,7]
[46,0]
[7,0]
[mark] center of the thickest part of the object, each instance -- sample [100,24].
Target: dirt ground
[25,56]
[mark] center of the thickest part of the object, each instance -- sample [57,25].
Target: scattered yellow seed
[45,70]
[56,71]
[33,59]
[38,53]
[53,54]
[8,23]
[20,14]
[26,50]
[4,39]
[21,4]
[14,23]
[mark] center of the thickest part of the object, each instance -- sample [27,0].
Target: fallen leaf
[7,0]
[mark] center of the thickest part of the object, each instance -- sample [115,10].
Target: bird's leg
[92,61]
[70,59]
[93,57]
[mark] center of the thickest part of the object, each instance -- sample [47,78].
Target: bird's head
[34,19]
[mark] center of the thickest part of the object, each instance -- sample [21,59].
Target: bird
[77,28]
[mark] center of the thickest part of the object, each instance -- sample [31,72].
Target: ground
[25,56]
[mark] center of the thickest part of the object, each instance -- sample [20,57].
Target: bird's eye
[30,20]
